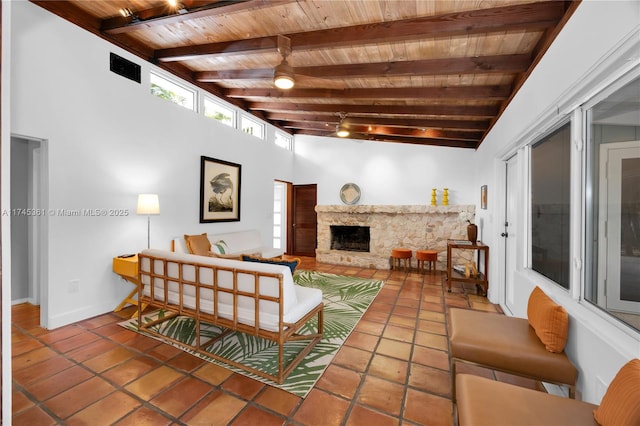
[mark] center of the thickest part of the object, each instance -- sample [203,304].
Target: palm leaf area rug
[345,301]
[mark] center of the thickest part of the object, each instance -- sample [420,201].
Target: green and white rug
[345,301]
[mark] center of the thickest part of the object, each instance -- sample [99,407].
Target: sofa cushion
[549,320]
[482,401]
[292,264]
[621,403]
[506,343]
[198,244]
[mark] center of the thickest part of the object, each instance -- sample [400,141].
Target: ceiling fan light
[342,130]
[283,76]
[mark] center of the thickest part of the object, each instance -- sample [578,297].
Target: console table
[127,268]
[482,278]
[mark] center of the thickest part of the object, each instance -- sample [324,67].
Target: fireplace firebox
[350,238]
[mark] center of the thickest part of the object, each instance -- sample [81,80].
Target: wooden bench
[258,299]
[482,401]
[507,344]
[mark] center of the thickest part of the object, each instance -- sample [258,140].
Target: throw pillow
[620,404]
[549,320]
[198,244]
[291,264]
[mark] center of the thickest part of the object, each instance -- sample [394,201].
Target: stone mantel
[391,209]
[417,227]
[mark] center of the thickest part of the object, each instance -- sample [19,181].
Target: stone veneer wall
[413,226]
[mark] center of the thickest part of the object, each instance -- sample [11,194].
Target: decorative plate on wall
[350,193]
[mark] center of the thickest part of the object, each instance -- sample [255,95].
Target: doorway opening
[29,213]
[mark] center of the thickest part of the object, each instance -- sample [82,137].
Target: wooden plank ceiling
[431,72]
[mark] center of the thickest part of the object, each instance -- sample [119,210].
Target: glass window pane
[252,127]
[218,112]
[284,140]
[613,204]
[550,205]
[172,91]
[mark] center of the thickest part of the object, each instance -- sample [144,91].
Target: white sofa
[256,298]
[242,242]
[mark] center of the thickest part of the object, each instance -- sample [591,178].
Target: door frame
[39,242]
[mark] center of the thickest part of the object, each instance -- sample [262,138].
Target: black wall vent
[124,67]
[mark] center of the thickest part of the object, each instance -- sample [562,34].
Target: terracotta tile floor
[394,369]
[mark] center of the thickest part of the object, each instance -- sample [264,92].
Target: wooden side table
[482,279]
[127,268]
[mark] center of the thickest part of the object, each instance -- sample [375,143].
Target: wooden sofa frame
[286,332]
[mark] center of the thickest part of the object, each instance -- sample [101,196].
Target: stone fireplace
[412,226]
[350,238]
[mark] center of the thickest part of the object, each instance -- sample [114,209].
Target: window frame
[287,137]
[172,80]
[255,121]
[557,125]
[211,99]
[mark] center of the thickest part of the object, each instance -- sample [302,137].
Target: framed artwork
[219,190]
[483,197]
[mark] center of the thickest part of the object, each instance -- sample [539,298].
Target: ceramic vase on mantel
[472,233]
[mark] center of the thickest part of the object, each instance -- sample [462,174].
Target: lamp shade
[148,204]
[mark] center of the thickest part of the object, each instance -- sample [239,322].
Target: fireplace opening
[350,238]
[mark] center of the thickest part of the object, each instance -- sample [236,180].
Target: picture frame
[219,190]
[483,197]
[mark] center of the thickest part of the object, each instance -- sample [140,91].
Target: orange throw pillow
[198,244]
[549,320]
[620,405]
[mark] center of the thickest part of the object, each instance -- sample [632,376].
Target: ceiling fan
[284,75]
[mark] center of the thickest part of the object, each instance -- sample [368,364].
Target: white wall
[108,139]
[387,173]
[579,60]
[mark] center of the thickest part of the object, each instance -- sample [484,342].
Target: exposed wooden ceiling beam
[435,110]
[399,139]
[512,64]
[163,15]
[333,119]
[500,19]
[465,92]
[394,131]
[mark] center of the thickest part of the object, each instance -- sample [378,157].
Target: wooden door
[304,221]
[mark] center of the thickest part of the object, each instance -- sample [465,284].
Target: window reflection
[613,209]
